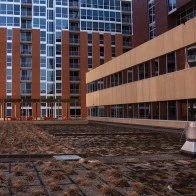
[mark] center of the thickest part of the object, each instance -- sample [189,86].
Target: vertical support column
[83,70]
[16,72]
[141,22]
[119,44]
[107,47]
[162,65]
[3,56]
[65,74]
[36,72]
[180,59]
[96,49]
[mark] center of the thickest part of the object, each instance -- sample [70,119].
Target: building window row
[184,110]
[165,64]
[102,4]
[100,15]
[188,13]
[100,26]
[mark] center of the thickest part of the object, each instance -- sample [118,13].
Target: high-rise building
[46,48]
[154,83]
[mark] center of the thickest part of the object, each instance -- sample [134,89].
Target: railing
[126,9]
[74,41]
[126,20]
[26,25]
[126,43]
[27,91]
[127,32]
[74,16]
[74,65]
[74,4]
[25,39]
[74,91]
[26,1]
[26,78]
[74,78]
[26,65]
[74,28]
[25,52]
[26,13]
[74,53]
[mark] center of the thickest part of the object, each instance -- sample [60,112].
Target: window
[58,87]
[43,74]
[8,87]
[42,87]
[171,62]
[171,5]
[130,75]
[144,110]
[58,74]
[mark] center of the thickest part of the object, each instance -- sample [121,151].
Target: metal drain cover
[67,157]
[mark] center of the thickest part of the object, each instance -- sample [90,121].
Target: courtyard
[115,160]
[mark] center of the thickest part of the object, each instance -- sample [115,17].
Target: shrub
[138,186]
[30,176]
[3,166]
[47,172]
[106,189]
[133,193]
[54,186]
[72,191]
[18,171]
[91,174]
[58,175]
[18,186]
[38,192]
[113,173]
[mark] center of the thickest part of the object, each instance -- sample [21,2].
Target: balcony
[26,24]
[25,78]
[74,28]
[75,91]
[75,103]
[26,1]
[26,13]
[25,39]
[126,44]
[74,78]
[75,66]
[74,16]
[74,53]
[74,4]
[26,91]
[74,40]
[126,20]
[126,32]
[126,9]
[26,52]
[26,65]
